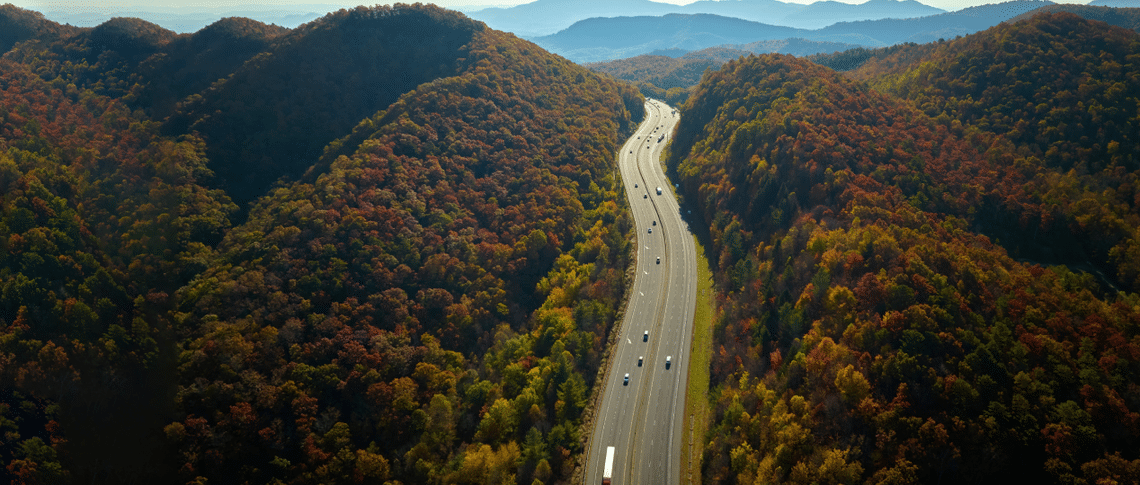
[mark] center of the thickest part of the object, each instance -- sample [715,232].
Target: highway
[643,420]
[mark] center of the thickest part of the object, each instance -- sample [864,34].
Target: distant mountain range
[657,74]
[189,19]
[545,17]
[600,39]
[1115,3]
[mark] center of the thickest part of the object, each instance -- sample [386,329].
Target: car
[668,360]
[644,196]
[635,186]
[659,260]
[651,230]
[639,360]
[631,151]
[626,383]
[645,337]
[654,223]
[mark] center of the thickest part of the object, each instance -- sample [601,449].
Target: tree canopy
[873,324]
[418,289]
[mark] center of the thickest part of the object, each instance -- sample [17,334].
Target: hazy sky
[230,5]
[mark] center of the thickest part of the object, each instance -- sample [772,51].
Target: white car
[668,361]
[626,383]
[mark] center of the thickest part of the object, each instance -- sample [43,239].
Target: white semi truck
[608,472]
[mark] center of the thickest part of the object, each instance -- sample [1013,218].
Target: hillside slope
[865,332]
[390,309]
[140,63]
[101,218]
[1059,91]
[235,82]
[428,301]
[1128,18]
[259,127]
[18,25]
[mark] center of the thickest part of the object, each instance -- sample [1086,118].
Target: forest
[925,267]
[253,254]
[661,77]
[219,265]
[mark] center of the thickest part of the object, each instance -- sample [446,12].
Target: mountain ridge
[546,17]
[638,35]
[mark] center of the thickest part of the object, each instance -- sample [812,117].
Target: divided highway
[643,419]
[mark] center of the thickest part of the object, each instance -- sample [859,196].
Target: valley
[395,244]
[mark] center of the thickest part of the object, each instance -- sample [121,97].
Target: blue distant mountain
[1115,3]
[880,33]
[822,14]
[544,17]
[188,19]
[639,35]
[600,39]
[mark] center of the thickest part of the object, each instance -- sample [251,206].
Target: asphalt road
[643,420]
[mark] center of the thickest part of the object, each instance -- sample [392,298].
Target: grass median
[696,395]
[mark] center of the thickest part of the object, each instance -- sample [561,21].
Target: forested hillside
[670,78]
[273,115]
[427,300]
[1059,93]
[663,77]
[1122,15]
[873,325]
[102,219]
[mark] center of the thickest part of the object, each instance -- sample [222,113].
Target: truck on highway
[608,472]
[658,190]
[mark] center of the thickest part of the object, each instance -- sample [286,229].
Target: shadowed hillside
[275,114]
